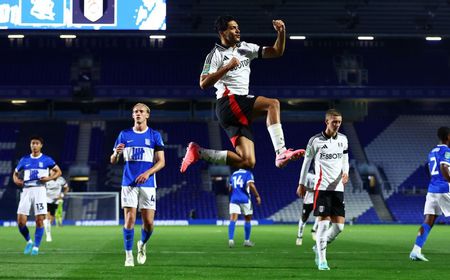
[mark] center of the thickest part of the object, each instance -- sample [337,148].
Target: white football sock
[129,253]
[214,156]
[321,240]
[316,224]
[417,249]
[47,226]
[277,136]
[334,231]
[301,228]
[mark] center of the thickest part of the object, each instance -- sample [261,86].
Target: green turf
[201,252]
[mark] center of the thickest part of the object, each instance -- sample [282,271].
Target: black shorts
[51,207]
[306,211]
[329,203]
[234,113]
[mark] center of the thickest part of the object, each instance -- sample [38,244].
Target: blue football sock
[38,236]
[247,230]
[128,237]
[145,235]
[423,235]
[231,228]
[25,232]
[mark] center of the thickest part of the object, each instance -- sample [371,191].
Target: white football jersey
[330,155]
[236,81]
[54,189]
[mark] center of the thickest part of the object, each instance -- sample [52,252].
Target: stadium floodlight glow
[433,38]
[16,36]
[157,36]
[18,101]
[365,38]
[297,37]
[67,36]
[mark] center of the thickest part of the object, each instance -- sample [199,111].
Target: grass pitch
[201,252]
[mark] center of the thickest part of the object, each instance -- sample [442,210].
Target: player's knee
[21,223]
[274,104]
[249,163]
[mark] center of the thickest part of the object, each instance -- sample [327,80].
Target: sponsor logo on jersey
[243,63]
[325,146]
[225,58]
[331,156]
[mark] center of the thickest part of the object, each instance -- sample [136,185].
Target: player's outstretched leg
[194,152]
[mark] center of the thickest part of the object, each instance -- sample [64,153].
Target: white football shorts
[133,197]
[242,208]
[437,204]
[35,197]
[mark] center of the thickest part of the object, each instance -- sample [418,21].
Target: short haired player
[142,149]
[227,68]
[438,196]
[36,169]
[242,183]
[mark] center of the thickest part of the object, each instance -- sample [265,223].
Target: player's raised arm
[278,47]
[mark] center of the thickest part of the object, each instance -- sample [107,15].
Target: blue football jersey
[138,154]
[240,191]
[437,156]
[35,168]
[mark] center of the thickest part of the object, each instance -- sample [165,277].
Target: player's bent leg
[272,108]
[245,154]
[194,153]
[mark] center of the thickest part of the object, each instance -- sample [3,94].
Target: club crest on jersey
[147,141]
[41,164]
[340,145]
[447,155]
[321,209]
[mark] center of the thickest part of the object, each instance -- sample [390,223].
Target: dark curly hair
[221,23]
